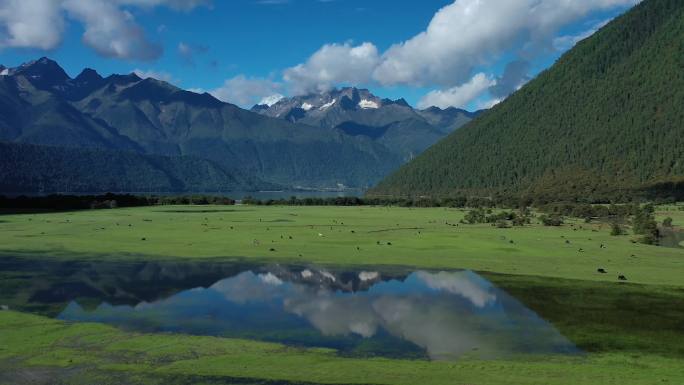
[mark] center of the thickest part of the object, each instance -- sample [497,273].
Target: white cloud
[487,104]
[368,104]
[461,37]
[30,24]
[459,96]
[468,33]
[182,5]
[110,29]
[331,65]
[246,91]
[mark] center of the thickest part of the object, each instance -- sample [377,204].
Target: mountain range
[343,137]
[606,121]
[359,113]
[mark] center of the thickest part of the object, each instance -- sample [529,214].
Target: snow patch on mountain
[271,100]
[307,106]
[328,105]
[368,104]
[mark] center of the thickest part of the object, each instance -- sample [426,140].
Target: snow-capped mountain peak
[271,100]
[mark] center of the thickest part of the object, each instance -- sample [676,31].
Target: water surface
[438,315]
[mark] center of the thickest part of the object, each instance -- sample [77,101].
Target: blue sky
[244,50]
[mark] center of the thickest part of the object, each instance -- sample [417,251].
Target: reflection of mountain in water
[445,315]
[50,285]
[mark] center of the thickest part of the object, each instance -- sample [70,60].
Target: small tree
[644,224]
[667,222]
[616,229]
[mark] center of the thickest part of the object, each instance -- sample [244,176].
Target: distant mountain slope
[41,104]
[607,117]
[357,112]
[31,168]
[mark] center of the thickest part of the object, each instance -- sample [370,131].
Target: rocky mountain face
[357,112]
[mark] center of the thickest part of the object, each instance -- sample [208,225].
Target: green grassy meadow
[358,236]
[631,333]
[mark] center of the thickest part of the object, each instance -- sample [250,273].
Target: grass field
[82,353]
[633,332]
[428,238]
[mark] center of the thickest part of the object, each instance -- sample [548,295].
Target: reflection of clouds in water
[335,315]
[270,279]
[368,275]
[249,287]
[447,324]
[436,325]
[447,314]
[432,326]
[463,283]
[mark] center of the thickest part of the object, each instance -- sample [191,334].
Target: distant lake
[438,315]
[260,195]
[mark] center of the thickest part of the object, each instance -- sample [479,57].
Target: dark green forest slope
[32,168]
[606,119]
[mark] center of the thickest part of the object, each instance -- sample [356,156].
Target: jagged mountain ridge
[357,112]
[42,105]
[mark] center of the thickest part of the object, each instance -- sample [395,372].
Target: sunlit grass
[427,238]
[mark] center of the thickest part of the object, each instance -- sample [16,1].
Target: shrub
[551,220]
[502,224]
[475,216]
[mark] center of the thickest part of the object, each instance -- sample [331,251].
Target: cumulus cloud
[246,91]
[459,96]
[460,37]
[30,24]
[110,31]
[110,28]
[333,64]
[471,32]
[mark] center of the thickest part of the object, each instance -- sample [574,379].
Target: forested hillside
[30,168]
[606,119]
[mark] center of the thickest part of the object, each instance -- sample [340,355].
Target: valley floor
[632,332]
